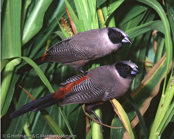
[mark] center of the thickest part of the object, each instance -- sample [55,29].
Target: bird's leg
[98,119]
[89,108]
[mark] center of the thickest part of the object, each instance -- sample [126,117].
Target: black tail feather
[35,105]
[27,67]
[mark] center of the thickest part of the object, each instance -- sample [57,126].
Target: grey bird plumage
[102,83]
[83,47]
[95,86]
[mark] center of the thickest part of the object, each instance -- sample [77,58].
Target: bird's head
[117,36]
[127,69]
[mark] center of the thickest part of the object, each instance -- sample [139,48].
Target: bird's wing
[85,92]
[68,51]
[74,78]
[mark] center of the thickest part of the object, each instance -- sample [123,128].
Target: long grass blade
[35,21]
[11,46]
[123,117]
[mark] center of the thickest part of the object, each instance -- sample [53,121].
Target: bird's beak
[126,40]
[135,71]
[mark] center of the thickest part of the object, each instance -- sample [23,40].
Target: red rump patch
[43,57]
[59,94]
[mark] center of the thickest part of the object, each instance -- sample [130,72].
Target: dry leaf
[146,104]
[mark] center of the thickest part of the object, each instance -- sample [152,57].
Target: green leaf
[11,46]
[142,123]
[89,135]
[11,31]
[6,82]
[60,34]
[134,12]
[137,18]
[41,38]
[37,69]
[73,15]
[113,5]
[35,20]
[24,12]
[139,30]
[168,42]
[54,126]
[170,13]
[40,73]
[124,119]
[66,121]
[4,62]
[167,118]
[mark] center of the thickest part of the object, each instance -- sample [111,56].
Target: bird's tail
[35,105]
[27,67]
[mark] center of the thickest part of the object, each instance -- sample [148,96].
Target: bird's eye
[126,68]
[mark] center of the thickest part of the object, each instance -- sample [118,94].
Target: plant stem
[96,129]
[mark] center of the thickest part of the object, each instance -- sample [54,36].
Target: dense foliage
[29,27]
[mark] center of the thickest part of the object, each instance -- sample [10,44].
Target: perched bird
[93,88]
[83,47]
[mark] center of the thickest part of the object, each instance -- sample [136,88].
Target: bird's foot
[98,119]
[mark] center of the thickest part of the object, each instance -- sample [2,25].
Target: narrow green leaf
[168,42]
[4,62]
[142,123]
[24,12]
[57,10]
[40,73]
[60,34]
[113,5]
[153,25]
[133,13]
[40,90]
[73,15]
[66,121]
[9,96]
[37,69]
[35,21]
[89,135]
[100,2]
[11,45]
[111,21]
[54,126]
[93,14]
[167,118]
[11,29]
[27,131]
[7,78]
[83,14]
[43,35]
[163,109]
[170,13]
[123,117]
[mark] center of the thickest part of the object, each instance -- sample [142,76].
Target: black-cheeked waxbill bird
[92,88]
[83,47]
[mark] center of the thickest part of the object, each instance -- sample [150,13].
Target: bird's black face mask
[115,36]
[126,71]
